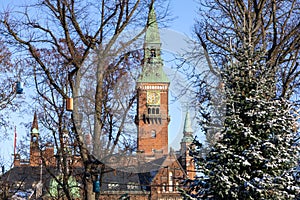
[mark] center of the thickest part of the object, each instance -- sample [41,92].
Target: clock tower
[152,88]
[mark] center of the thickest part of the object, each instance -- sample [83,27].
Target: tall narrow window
[153,111]
[157,111]
[164,187]
[170,181]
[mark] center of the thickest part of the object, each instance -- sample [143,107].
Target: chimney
[17,160]
[49,155]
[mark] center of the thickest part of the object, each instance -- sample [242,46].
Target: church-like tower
[34,143]
[152,87]
[186,160]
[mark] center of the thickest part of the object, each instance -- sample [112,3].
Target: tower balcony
[152,118]
[147,118]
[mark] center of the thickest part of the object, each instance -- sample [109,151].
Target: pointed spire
[152,33]
[187,129]
[34,123]
[153,63]
[187,124]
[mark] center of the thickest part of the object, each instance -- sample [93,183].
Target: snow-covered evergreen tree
[257,154]
[254,47]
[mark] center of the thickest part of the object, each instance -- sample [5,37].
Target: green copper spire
[153,65]
[152,35]
[187,129]
[187,124]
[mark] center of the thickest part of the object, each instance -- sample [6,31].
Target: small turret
[35,124]
[34,143]
[187,129]
[187,139]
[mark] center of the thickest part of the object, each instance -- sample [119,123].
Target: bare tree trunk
[85,154]
[98,106]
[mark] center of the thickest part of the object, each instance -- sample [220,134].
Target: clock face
[153,97]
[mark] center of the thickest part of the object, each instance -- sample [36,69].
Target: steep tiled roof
[136,177]
[27,176]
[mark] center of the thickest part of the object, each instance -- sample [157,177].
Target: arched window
[34,139]
[164,187]
[152,53]
[157,111]
[153,111]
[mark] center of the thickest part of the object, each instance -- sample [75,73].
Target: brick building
[153,172]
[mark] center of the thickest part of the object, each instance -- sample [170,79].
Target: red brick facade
[152,119]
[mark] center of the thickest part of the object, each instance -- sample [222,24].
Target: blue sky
[184,12]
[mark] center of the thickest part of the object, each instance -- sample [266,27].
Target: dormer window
[113,186]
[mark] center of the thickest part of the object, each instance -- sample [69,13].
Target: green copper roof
[188,139]
[187,129]
[153,64]
[153,74]
[152,33]
[188,124]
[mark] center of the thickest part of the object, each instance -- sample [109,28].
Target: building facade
[154,172]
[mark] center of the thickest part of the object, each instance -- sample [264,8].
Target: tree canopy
[88,51]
